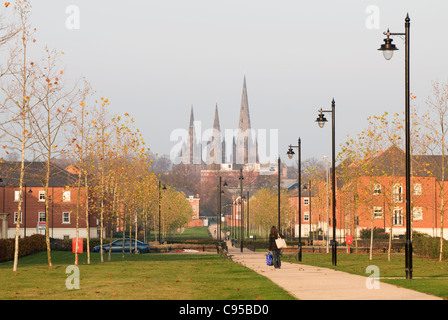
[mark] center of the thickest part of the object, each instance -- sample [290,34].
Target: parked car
[117,246]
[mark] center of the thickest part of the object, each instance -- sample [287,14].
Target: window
[378,212]
[417,189]
[306,201]
[194,208]
[66,196]
[306,216]
[16,195]
[65,217]
[417,213]
[306,231]
[377,188]
[398,193]
[397,218]
[15,217]
[41,196]
[41,217]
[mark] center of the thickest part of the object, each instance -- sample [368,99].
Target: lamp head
[290,152]
[388,47]
[321,119]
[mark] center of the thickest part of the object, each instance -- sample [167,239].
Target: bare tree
[19,99]
[438,145]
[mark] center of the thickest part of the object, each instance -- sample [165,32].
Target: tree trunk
[87,218]
[19,206]
[47,227]
[371,237]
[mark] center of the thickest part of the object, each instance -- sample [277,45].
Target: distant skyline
[154,59]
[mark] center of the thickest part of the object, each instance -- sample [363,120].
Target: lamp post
[160,206]
[388,49]
[290,154]
[248,211]
[308,187]
[321,122]
[326,199]
[242,206]
[278,192]
[219,211]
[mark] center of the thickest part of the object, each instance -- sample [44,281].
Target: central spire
[246,146]
[244,123]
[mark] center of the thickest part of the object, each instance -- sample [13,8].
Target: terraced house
[62,196]
[372,193]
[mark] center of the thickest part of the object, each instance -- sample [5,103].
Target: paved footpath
[315,283]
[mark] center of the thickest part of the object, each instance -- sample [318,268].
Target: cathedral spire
[216,121]
[244,123]
[215,145]
[191,151]
[246,146]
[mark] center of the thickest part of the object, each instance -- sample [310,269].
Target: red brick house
[62,206]
[374,193]
[194,200]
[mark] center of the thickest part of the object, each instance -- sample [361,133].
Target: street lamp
[308,187]
[247,215]
[242,208]
[290,154]
[160,205]
[278,193]
[388,48]
[24,226]
[321,120]
[220,192]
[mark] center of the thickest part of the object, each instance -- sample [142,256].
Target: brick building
[62,202]
[374,192]
[194,200]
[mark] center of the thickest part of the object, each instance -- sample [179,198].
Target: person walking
[273,247]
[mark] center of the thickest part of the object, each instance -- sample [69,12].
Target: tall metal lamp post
[219,213]
[290,154]
[242,208]
[321,122]
[160,206]
[278,193]
[308,187]
[388,49]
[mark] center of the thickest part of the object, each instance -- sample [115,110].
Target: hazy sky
[153,59]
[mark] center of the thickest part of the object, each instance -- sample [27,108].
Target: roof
[392,163]
[35,173]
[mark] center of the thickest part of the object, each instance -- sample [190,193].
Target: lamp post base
[408,267]
[334,254]
[299,253]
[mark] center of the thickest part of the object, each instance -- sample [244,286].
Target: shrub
[428,246]
[378,234]
[27,245]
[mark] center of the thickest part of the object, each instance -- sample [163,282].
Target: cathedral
[233,149]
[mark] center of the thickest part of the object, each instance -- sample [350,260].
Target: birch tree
[49,118]
[438,129]
[19,100]
[78,149]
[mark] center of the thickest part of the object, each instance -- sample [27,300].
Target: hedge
[428,246]
[27,245]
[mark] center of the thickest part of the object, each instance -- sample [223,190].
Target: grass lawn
[189,233]
[429,275]
[137,277]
